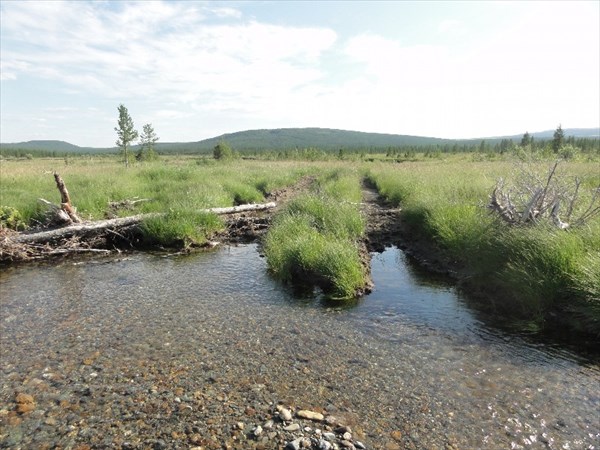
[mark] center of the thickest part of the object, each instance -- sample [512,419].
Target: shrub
[11,218]
[223,151]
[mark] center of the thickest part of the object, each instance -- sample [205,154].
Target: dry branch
[532,199]
[65,200]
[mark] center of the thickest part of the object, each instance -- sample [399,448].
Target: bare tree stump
[65,200]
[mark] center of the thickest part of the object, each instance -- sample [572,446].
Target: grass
[538,269]
[178,186]
[533,272]
[315,238]
[179,228]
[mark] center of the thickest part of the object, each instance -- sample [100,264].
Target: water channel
[110,348]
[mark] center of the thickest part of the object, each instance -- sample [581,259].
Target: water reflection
[406,290]
[401,290]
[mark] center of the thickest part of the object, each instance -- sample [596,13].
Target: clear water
[411,356]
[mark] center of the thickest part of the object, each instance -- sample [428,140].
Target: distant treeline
[590,146]
[28,153]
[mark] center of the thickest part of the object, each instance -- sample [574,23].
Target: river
[110,349]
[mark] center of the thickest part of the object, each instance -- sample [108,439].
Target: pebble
[25,403]
[285,415]
[311,415]
[292,427]
[293,445]
[397,435]
[324,445]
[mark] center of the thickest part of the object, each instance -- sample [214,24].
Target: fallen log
[101,225]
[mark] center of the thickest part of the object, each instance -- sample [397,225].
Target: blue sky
[196,70]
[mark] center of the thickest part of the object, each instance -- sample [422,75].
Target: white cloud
[447,26]
[182,63]
[10,68]
[226,12]
[123,55]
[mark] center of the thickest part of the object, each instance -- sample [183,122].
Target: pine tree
[126,132]
[147,141]
[526,140]
[557,141]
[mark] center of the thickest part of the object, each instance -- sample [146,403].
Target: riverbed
[159,351]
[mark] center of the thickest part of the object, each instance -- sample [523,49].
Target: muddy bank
[249,227]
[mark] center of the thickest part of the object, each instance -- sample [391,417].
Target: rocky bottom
[205,351]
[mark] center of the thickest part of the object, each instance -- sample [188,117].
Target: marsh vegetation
[536,272]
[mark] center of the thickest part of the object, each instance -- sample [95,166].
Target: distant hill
[322,138]
[576,132]
[54,146]
[291,138]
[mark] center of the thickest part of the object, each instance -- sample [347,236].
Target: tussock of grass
[243,193]
[341,185]
[297,251]
[315,240]
[327,215]
[180,228]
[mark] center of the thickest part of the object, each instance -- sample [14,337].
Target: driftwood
[111,225]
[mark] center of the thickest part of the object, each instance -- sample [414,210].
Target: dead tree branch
[65,200]
[533,198]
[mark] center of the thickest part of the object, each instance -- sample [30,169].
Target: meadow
[536,272]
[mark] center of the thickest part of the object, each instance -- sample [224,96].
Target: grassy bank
[179,187]
[535,272]
[315,238]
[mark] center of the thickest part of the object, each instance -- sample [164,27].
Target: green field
[535,272]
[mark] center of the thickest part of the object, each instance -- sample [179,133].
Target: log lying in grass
[112,224]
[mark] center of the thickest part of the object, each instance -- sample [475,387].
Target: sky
[196,70]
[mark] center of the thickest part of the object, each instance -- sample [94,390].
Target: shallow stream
[110,348]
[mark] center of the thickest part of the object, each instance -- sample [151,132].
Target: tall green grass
[315,238]
[534,270]
[179,228]
[176,186]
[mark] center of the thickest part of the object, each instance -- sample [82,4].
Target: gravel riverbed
[207,352]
